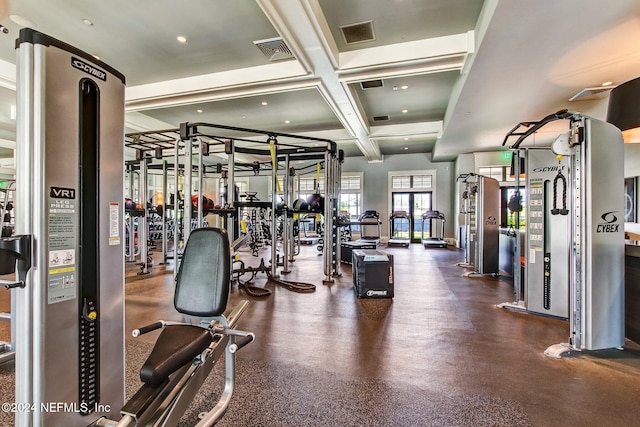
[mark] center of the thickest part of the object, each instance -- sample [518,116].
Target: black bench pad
[176,346]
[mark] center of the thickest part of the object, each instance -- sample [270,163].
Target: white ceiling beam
[305,31]
[427,51]
[407,129]
[226,84]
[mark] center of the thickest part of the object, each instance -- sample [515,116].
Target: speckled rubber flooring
[438,354]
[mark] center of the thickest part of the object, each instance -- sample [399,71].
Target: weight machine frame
[596,260]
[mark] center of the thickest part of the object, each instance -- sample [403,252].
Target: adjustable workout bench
[184,354]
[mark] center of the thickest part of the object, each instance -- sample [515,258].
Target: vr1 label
[89,69]
[62,193]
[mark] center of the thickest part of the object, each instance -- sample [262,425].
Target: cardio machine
[437,237]
[370,227]
[398,220]
[185,353]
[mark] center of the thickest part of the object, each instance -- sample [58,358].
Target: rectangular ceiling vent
[358,33]
[274,49]
[380,118]
[592,93]
[370,84]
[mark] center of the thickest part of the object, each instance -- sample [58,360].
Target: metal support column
[328,243]
[176,207]
[286,223]
[164,212]
[188,184]
[274,198]
[28,214]
[200,193]
[143,227]
[231,190]
[132,244]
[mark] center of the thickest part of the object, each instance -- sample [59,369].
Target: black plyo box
[346,249]
[372,274]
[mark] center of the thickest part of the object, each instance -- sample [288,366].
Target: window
[501,173]
[398,182]
[507,216]
[421,181]
[407,182]
[496,172]
[351,195]
[241,185]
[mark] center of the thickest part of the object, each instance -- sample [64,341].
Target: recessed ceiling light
[403,87]
[198,111]
[406,148]
[395,88]
[87,22]
[181,39]
[406,139]
[265,103]
[287,121]
[405,111]
[607,83]
[22,21]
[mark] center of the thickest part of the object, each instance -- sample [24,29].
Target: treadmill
[399,221]
[436,225]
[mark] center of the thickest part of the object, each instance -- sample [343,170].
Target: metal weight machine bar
[327,241]
[165,196]
[285,217]
[517,274]
[274,182]
[176,204]
[578,222]
[143,229]
[337,256]
[188,184]
[200,177]
[132,244]
[231,189]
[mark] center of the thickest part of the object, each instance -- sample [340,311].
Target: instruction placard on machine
[62,247]
[536,218]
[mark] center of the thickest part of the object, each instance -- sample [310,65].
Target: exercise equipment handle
[145,329]
[242,342]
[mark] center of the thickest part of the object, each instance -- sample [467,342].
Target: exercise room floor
[438,354]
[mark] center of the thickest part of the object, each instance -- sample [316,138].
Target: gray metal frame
[47,361]
[595,259]
[482,224]
[172,400]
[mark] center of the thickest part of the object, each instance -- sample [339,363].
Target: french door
[415,204]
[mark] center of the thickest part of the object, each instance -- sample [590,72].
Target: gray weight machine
[69,260]
[545,289]
[69,292]
[480,201]
[575,247]
[281,149]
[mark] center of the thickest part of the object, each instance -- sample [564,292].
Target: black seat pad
[176,346]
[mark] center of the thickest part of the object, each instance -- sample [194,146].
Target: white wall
[376,176]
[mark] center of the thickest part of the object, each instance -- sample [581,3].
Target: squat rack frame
[202,139]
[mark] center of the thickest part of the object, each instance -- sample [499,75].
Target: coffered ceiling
[380,77]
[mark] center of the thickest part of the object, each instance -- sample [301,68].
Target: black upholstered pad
[203,280]
[176,346]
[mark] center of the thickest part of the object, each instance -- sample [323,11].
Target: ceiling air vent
[274,49]
[358,33]
[369,84]
[591,93]
[380,118]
